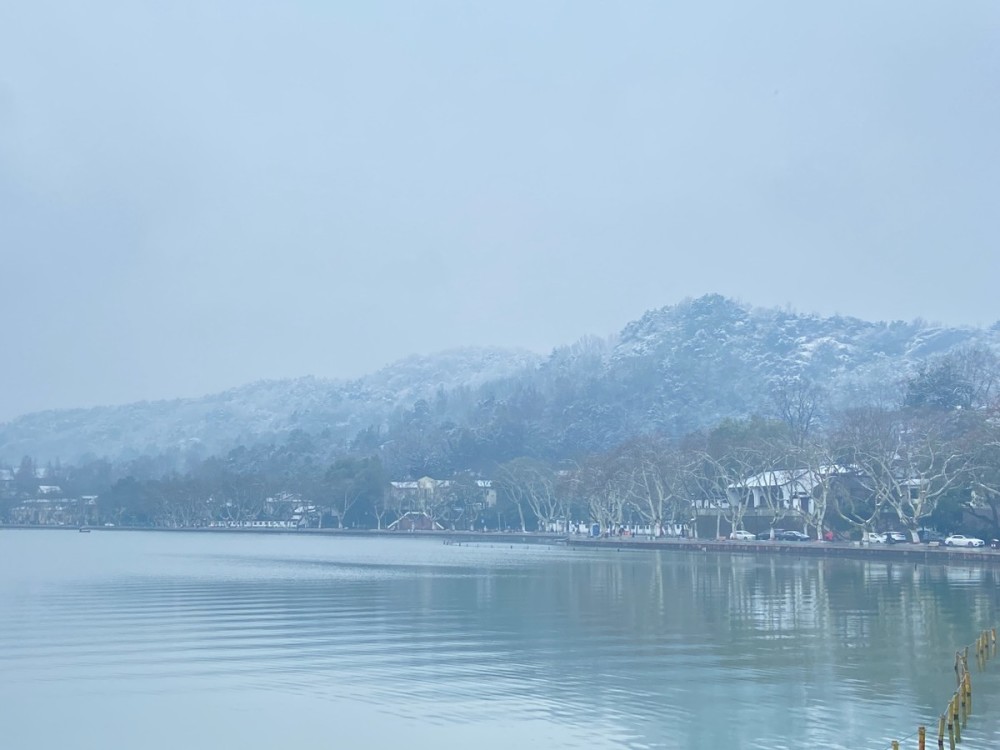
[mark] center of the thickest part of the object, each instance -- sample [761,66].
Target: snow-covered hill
[676,369]
[714,358]
[261,411]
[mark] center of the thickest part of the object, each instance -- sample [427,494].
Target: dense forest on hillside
[676,370]
[671,415]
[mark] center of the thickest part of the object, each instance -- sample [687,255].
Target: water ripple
[394,640]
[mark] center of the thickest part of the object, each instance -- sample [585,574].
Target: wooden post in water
[968,692]
[951,724]
[895,745]
[921,738]
[941,732]
[956,719]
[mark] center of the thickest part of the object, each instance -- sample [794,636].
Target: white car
[957,540]
[742,536]
[873,537]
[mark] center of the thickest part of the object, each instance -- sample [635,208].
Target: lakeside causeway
[907,552]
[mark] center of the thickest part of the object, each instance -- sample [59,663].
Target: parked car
[895,537]
[994,543]
[958,540]
[873,537]
[766,535]
[792,536]
[742,536]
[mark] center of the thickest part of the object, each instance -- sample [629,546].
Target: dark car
[765,536]
[929,535]
[792,536]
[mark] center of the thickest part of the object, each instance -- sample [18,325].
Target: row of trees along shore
[927,454]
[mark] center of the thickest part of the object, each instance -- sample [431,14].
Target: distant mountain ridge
[714,358]
[260,411]
[675,369]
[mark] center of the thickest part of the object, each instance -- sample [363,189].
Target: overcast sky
[194,195]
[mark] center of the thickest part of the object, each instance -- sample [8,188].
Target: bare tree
[510,487]
[797,402]
[907,462]
[979,368]
[381,508]
[861,432]
[187,509]
[537,488]
[604,482]
[653,472]
[766,479]
[741,473]
[717,481]
[982,439]
[822,484]
[241,501]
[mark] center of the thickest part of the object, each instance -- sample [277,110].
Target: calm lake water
[169,640]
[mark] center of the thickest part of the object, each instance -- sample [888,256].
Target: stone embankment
[903,552]
[888,552]
[511,537]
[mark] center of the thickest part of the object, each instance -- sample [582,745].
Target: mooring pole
[956,718]
[967,687]
[951,723]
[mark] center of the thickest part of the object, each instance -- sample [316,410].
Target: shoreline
[906,552]
[446,535]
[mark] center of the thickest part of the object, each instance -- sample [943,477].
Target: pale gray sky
[194,195]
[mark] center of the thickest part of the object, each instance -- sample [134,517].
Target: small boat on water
[84,530]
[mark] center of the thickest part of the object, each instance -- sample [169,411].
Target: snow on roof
[805,479]
[779,478]
[414,515]
[431,482]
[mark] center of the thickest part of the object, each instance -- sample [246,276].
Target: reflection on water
[120,640]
